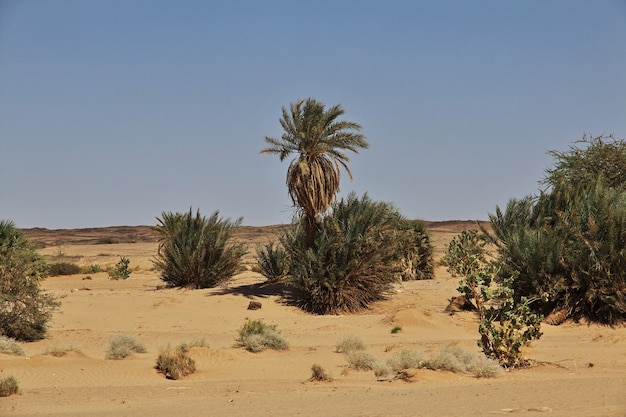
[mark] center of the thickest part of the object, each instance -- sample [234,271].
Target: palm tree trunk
[310,230]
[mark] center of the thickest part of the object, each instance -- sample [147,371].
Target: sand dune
[581,368]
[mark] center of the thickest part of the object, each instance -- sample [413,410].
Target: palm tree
[320,140]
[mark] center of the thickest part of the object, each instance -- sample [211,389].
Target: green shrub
[10,346]
[175,363]
[272,262]
[566,246]
[194,250]
[417,260]
[9,386]
[91,269]
[121,269]
[63,268]
[506,324]
[124,345]
[24,309]
[257,336]
[349,344]
[356,256]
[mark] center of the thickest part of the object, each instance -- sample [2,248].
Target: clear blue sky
[113,111]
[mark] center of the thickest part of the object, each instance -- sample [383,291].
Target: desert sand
[580,370]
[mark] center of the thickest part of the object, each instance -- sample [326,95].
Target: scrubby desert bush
[361,360]
[319,374]
[566,246]
[453,358]
[10,346]
[24,308]
[9,386]
[257,336]
[349,343]
[194,250]
[406,359]
[450,358]
[63,268]
[124,345]
[417,260]
[120,270]
[61,349]
[272,262]
[354,259]
[175,362]
[506,323]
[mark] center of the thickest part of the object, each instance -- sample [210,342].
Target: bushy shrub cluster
[257,336]
[358,252]
[194,250]
[122,346]
[24,309]
[9,386]
[175,362]
[568,243]
[272,262]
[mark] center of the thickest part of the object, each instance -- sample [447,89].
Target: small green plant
[272,262]
[349,344]
[121,269]
[10,346]
[319,374]
[9,386]
[505,324]
[175,363]
[396,329]
[256,336]
[63,268]
[124,345]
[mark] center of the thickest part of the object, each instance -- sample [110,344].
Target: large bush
[569,242]
[356,256]
[24,309]
[194,251]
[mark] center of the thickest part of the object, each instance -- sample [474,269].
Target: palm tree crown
[320,140]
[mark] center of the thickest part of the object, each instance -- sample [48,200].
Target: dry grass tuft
[124,345]
[175,363]
[349,344]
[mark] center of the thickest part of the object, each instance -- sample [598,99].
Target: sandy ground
[581,368]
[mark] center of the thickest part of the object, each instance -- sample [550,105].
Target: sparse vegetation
[63,268]
[61,349]
[194,251]
[124,345]
[257,336]
[24,308]
[396,329]
[450,358]
[9,386]
[175,363]
[121,269]
[10,346]
[319,374]
[360,360]
[349,344]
